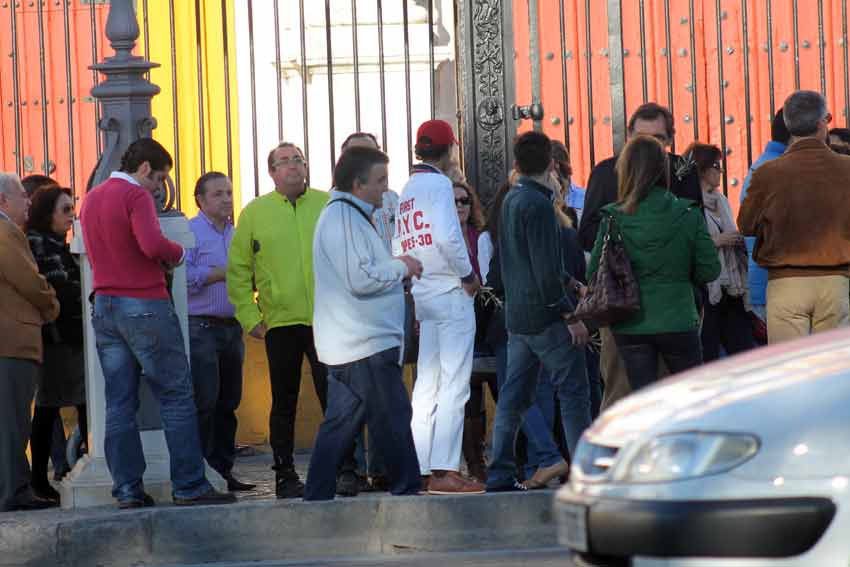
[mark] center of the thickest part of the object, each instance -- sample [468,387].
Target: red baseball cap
[435,133]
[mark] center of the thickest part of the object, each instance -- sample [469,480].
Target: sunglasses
[462,202]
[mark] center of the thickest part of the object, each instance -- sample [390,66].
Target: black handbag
[613,295]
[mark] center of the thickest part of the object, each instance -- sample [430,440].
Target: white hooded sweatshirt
[427,228]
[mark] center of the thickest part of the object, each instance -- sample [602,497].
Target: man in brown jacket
[26,303]
[797,209]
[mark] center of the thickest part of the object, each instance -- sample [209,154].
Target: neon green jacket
[272,249]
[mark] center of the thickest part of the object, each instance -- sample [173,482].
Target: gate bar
[408,112]
[304,115]
[16,94]
[199,63]
[174,109]
[564,88]
[670,95]
[431,82]
[252,68]
[69,94]
[382,74]
[225,44]
[644,90]
[146,31]
[278,69]
[356,54]
[795,26]
[618,82]
[846,74]
[821,47]
[534,53]
[694,92]
[330,66]
[591,137]
[95,78]
[720,78]
[747,102]
[769,6]
[42,75]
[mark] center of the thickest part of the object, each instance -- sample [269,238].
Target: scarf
[733,260]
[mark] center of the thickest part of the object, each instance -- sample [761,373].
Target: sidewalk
[262,528]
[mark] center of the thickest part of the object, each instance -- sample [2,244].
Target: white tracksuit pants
[446,343]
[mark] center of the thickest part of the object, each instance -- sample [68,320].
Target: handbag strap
[357,208]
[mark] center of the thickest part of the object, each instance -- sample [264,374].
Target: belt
[223,321]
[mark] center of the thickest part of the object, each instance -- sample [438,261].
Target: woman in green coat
[671,254]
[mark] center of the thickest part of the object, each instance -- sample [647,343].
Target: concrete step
[277,530]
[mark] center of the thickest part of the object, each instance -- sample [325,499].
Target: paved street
[539,558]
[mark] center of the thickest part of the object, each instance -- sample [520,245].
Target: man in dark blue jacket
[537,310]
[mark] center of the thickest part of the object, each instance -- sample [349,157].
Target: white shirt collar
[123,176]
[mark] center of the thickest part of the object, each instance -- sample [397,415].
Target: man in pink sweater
[137,329]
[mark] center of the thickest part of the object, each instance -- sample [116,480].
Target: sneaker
[210,497]
[451,482]
[348,484]
[287,484]
[146,501]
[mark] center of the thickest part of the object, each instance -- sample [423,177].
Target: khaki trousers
[798,307]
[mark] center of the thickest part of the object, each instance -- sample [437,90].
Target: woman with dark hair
[471,217]
[62,380]
[670,251]
[726,322]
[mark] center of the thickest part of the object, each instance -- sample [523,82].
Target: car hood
[778,390]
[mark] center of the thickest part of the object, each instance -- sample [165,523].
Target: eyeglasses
[294,160]
[462,202]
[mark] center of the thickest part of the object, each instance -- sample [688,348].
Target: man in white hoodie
[358,324]
[427,228]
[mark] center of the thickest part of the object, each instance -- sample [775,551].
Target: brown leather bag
[613,295]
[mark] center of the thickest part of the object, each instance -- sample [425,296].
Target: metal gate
[239,75]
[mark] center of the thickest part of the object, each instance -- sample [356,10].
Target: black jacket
[602,190]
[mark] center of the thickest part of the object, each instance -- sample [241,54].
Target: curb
[277,530]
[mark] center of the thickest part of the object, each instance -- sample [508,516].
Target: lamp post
[125,98]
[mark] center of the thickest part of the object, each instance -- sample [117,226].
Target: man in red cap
[427,228]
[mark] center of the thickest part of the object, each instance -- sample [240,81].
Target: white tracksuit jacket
[428,229]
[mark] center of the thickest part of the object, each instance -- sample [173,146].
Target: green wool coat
[671,252]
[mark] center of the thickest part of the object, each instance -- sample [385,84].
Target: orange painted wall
[55,84]
[708,86]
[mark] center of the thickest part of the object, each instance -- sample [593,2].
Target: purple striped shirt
[210,252]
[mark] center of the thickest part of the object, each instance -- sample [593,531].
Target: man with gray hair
[26,302]
[796,208]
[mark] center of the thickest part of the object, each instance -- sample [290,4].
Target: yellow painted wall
[188,100]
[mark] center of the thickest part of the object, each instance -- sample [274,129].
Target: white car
[744,462]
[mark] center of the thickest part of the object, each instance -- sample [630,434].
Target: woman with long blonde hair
[671,253]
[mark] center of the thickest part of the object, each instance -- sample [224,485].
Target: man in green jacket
[272,253]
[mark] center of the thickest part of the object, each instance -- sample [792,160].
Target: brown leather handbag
[613,295]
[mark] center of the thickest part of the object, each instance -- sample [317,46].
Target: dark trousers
[44,422]
[217,352]
[640,353]
[285,349]
[726,324]
[475,406]
[368,391]
[17,387]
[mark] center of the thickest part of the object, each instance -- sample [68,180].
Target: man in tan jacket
[26,302]
[796,207]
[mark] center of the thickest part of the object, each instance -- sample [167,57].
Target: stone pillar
[125,99]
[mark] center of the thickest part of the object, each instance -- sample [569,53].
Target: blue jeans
[217,352]
[370,391]
[565,364]
[136,336]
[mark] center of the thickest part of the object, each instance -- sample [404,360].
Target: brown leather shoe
[544,475]
[451,482]
[426,480]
